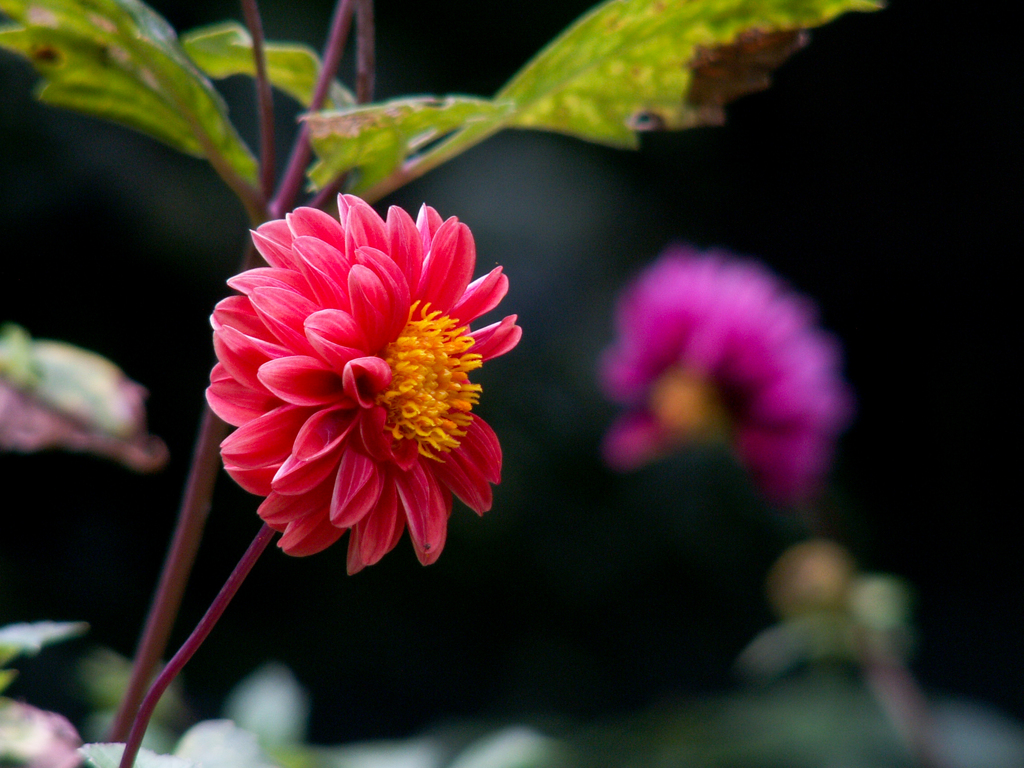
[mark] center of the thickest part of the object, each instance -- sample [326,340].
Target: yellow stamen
[430,396]
[688,406]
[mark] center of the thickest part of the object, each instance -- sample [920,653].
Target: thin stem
[455,145]
[901,697]
[327,193]
[366,61]
[264,97]
[190,646]
[284,200]
[195,507]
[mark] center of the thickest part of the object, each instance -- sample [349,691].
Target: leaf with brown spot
[641,65]
[726,72]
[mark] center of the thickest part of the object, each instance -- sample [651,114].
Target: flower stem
[366,62]
[195,507]
[191,645]
[284,200]
[264,97]
[899,694]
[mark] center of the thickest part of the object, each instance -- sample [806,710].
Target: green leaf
[223,50]
[109,756]
[271,704]
[512,747]
[221,744]
[29,639]
[631,65]
[119,60]
[6,675]
[376,139]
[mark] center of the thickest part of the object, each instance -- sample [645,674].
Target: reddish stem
[190,646]
[264,97]
[287,193]
[195,508]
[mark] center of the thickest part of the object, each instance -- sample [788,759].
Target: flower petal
[309,535]
[406,244]
[363,225]
[274,242]
[632,441]
[371,306]
[336,336]
[283,311]
[238,313]
[234,402]
[481,296]
[374,438]
[427,222]
[268,277]
[377,533]
[325,269]
[448,266]
[277,510]
[356,489]
[364,378]
[425,511]
[396,289]
[266,440]
[316,451]
[312,222]
[255,480]
[465,480]
[302,380]
[482,450]
[242,355]
[495,340]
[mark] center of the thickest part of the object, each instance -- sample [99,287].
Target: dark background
[880,174]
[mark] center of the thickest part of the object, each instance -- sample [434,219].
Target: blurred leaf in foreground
[271,704]
[34,738]
[28,639]
[109,756]
[55,395]
[120,60]
[223,50]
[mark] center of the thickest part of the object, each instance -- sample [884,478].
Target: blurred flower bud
[811,576]
[55,395]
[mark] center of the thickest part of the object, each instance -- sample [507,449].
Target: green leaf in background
[271,704]
[376,139]
[631,65]
[221,744]
[223,50]
[109,756]
[119,60]
[29,639]
[6,676]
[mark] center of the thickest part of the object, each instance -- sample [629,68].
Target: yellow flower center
[430,396]
[688,406]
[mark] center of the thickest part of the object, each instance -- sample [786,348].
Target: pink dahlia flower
[344,365]
[713,347]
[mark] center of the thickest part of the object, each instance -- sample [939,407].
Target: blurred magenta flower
[709,346]
[345,366]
